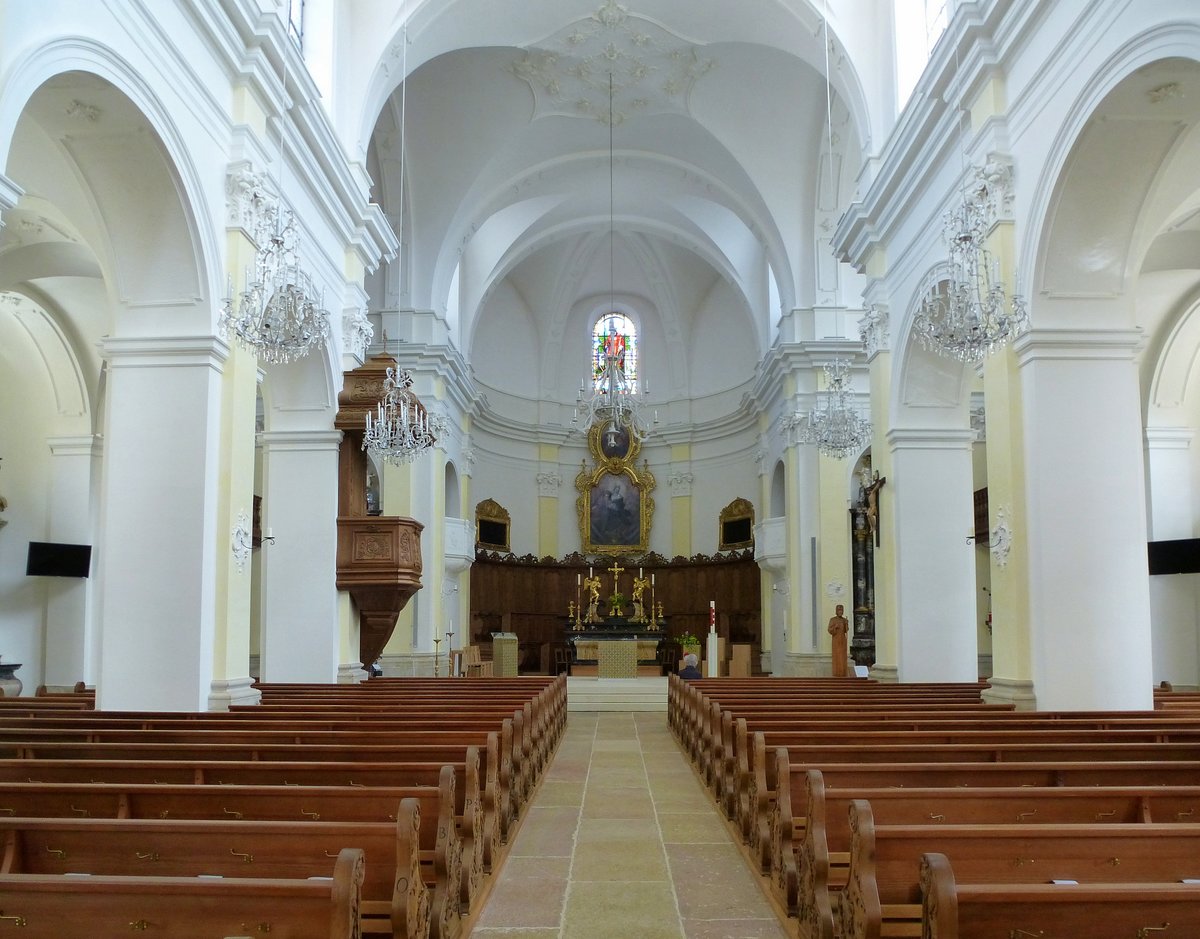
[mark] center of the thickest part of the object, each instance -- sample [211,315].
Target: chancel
[350,343]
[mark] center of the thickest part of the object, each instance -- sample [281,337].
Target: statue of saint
[592,586]
[839,627]
[639,591]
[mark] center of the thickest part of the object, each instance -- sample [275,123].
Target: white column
[300,639]
[156,547]
[1089,591]
[70,627]
[1173,597]
[931,491]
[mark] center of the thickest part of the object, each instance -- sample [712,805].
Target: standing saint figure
[592,586]
[839,627]
[639,591]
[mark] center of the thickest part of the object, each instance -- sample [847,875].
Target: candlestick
[437,673]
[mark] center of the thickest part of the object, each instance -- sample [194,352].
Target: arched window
[615,334]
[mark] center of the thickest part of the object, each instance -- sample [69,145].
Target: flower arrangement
[687,639]
[615,603]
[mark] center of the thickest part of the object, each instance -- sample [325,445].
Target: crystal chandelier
[400,428]
[277,316]
[834,425]
[614,404]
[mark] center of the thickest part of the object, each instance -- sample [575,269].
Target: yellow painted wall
[1011,656]
[886,635]
[548,507]
[833,543]
[235,494]
[681,506]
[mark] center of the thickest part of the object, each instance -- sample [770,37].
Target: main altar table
[615,648]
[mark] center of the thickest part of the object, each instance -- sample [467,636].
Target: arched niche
[453,493]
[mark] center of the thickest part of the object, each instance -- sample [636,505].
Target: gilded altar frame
[614,508]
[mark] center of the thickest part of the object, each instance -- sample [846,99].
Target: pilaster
[1085,490]
[158,542]
[300,634]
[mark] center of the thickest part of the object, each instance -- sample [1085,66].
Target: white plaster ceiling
[716,134]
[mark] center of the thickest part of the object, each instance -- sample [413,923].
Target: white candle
[578,579]
[651,580]
[269,533]
[639,572]
[589,572]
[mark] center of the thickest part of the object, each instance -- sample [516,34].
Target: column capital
[80,445]
[1037,345]
[165,351]
[923,438]
[299,440]
[1169,438]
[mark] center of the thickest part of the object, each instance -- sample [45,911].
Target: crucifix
[615,570]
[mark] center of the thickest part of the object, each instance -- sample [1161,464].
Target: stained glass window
[615,334]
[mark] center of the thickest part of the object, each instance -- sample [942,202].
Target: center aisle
[622,842]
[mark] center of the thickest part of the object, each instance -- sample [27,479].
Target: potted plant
[615,602]
[689,643]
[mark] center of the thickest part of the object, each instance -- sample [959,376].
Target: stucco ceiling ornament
[1000,539]
[357,331]
[681,483]
[548,483]
[241,541]
[994,188]
[653,70]
[873,330]
[248,203]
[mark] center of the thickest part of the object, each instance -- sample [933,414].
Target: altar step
[616,694]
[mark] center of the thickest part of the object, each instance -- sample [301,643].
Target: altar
[614,648]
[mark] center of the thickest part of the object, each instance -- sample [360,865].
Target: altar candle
[589,572]
[652,580]
[578,579]
[639,573]
[712,615]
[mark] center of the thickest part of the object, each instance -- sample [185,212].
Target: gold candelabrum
[573,614]
[437,658]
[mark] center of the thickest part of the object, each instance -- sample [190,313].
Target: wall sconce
[268,538]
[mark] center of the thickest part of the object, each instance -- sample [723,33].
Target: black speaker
[48,559]
[1181,556]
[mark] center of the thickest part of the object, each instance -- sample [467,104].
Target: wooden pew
[1049,764]
[805,795]
[39,906]
[950,910]
[882,895]
[273,850]
[468,832]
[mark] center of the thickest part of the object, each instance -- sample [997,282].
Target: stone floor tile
[555,792]
[614,860]
[509,933]
[734,929]
[692,828]
[621,911]
[525,902]
[617,803]
[548,831]
[713,881]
